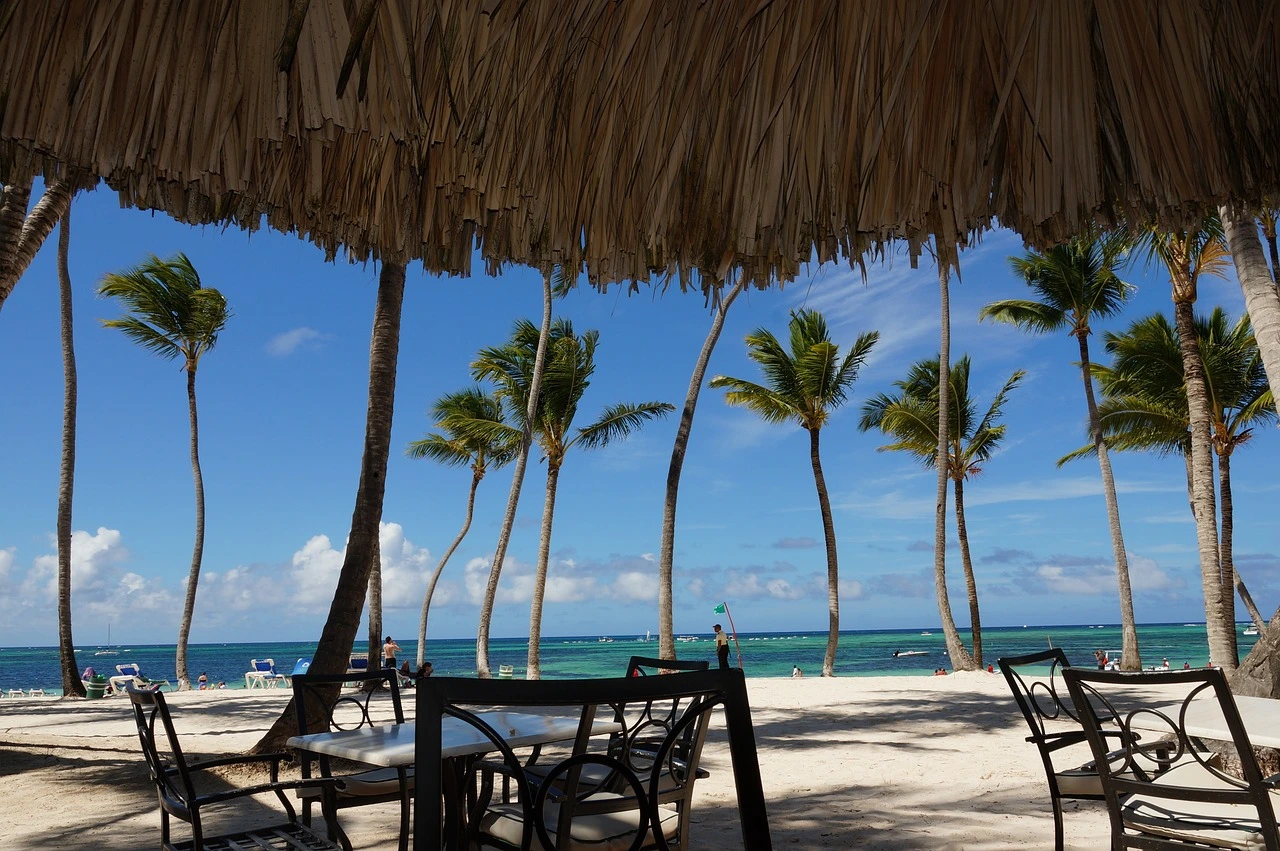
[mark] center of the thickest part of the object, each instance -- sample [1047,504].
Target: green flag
[719,610]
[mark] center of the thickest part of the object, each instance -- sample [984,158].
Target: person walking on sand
[389,649]
[722,646]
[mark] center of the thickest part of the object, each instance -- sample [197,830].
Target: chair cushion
[1084,781]
[376,781]
[598,832]
[1219,825]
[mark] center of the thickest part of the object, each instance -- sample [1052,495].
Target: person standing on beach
[389,649]
[722,646]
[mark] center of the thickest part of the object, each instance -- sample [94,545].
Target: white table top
[394,744]
[1261,717]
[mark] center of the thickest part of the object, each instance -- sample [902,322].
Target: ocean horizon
[862,653]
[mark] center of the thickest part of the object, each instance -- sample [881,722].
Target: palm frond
[168,311]
[1087,451]
[1028,315]
[618,421]
[437,447]
[769,404]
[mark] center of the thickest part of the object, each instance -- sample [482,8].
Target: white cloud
[282,345]
[1145,574]
[312,575]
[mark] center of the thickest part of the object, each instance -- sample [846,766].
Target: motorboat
[898,654]
[1251,629]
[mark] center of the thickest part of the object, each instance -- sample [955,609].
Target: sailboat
[107,651]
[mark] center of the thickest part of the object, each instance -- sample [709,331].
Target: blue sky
[282,402]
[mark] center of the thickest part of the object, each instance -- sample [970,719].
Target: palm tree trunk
[197,552]
[960,658]
[517,482]
[374,595]
[1269,233]
[71,684]
[833,567]
[666,557]
[1232,582]
[1261,297]
[336,639]
[435,577]
[1203,497]
[970,584]
[21,235]
[534,670]
[1130,659]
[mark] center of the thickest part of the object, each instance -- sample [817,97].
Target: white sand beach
[868,763]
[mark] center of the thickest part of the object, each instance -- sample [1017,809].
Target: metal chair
[642,727]
[559,810]
[176,791]
[1166,791]
[322,706]
[1033,679]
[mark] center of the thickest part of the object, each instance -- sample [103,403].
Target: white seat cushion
[598,832]
[1220,825]
[377,781]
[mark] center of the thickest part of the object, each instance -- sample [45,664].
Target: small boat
[1251,630]
[605,640]
[686,638]
[926,633]
[107,651]
[898,654]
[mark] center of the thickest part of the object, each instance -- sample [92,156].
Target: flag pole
[734,630]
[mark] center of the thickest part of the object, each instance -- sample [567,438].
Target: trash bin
[95,688]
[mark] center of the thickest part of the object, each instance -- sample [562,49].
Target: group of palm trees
[1194,388]
[485,429]
[1144,406]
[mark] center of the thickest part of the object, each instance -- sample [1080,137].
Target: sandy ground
[868,763]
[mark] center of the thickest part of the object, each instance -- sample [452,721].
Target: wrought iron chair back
[654,812]
[1036,682]
[322,706]
[1168,790]
[178,797]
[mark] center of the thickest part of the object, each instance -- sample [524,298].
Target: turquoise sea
[769,654]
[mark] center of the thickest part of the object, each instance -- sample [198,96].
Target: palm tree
[666,553]
[804,385]
[454,449]
[529,388]
[1077,282]
[174,316]
[71,683]
[910,417]
[1144,404]
[570,361]
[1187,256]
[22,234]
[1261,297]
[333,650]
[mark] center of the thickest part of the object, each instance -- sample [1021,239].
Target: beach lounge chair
[1163,791]
[321,707]
[358,663]
[130,674]
[562,812]
[16,692]
[175,788]
[264,674]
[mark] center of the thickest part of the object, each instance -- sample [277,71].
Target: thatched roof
[647,135]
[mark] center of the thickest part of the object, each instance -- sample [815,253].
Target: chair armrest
[276,758]
[283,785]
